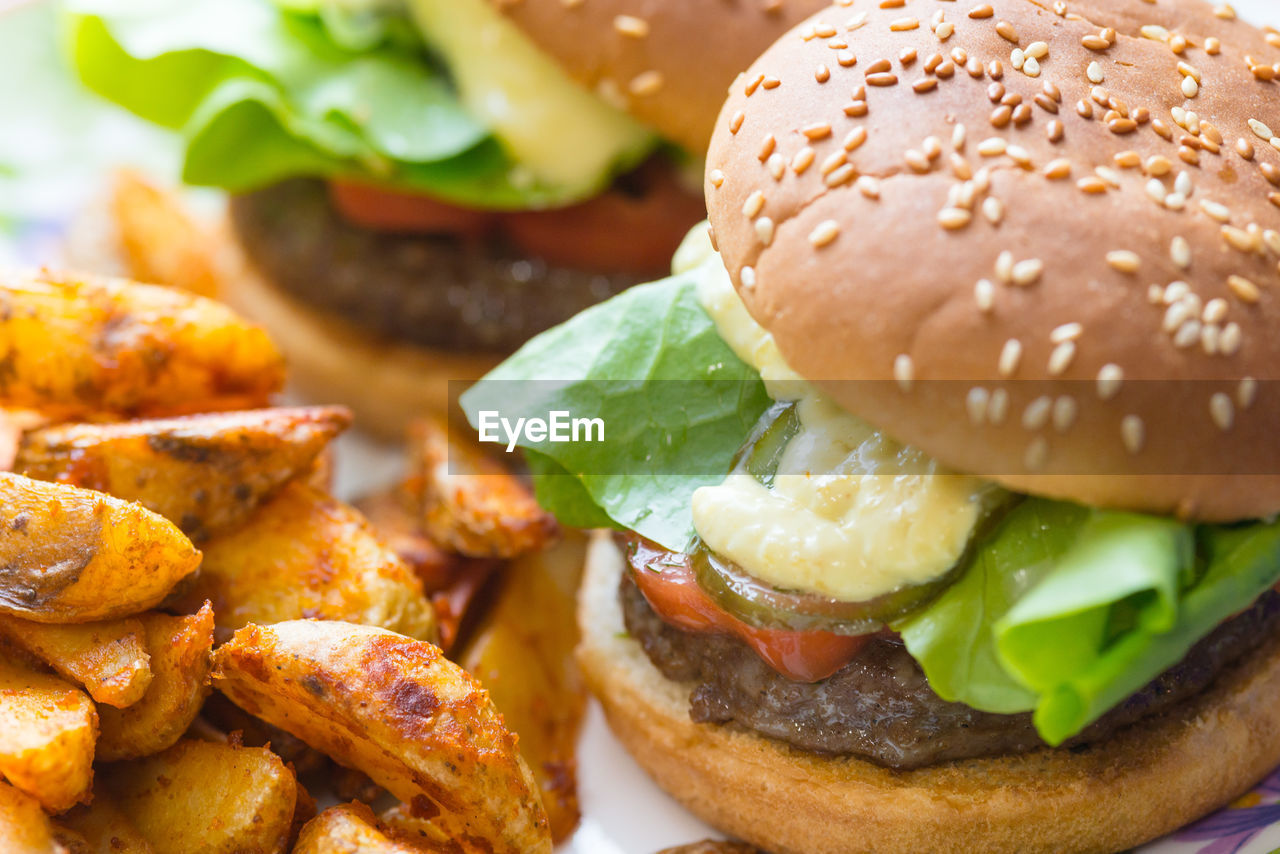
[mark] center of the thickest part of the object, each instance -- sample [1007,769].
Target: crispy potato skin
[24,828]
[399,711]
[205,473]
[80,346]
[206,797]
[47,736]
[69,555]
[180,663]
[109,659]
[471,504]
[104,828]
[306,554]
[350,829]
[523,655]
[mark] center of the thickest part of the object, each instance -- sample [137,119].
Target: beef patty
[429,290]
[880,706]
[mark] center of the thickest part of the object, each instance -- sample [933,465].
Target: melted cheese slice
[851,514]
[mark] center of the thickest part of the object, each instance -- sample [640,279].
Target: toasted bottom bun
[386,384]
[1142,783]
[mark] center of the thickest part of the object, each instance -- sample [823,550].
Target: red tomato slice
[668,583]
[387,210]
[633,228]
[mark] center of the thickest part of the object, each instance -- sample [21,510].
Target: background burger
[420,186]
[985,352]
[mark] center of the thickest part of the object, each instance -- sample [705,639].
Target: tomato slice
[387,210]
[633,228]
[667,581]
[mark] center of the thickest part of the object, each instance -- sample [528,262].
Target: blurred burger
[421,185]
[986,353]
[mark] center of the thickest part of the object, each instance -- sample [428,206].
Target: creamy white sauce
[852,514]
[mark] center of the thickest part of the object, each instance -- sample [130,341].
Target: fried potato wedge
[159,240]
[81,346]
[352,828]
[523,655]
[109,659]
[104,828]
[205,473]
[471,504]
[207,797]
[712,846]
[47,732]
[69,555]
[24,828]
[306,554]
[398,710]
[180,666]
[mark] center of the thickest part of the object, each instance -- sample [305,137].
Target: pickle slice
[761,453]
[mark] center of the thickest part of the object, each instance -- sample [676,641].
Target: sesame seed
[1132,433]
[944,30]
[1260,130]
[1004,267]
[1007,32]
[1154,32]
[1057,170]
[1158,166]
[716,177]
[646,83]
[629,25]
[1217,211]
[817,130]
[993,210]
[1092,186]
[998,407]
[903,24]
[1095,42]
[824,232]
[753,205]
[1036,415]
[1061,357]
[1124,261]
[764,230]
[1027,272]
[1188,334]
[1037,454]
[1180,252]
[1215,310]
[777,166]
[766,147]
[822,74]
[882,79]
[916,160]
[1110,378]
[1155,191]
[1212,46]
[992,146]
[1010,356]
[1239,239]
[843,174]
[1038,50]
[747,275]
[984,294]
[1190,87]
[1243,288]
[1066,332]
[869,186]
[833,161]
[983,11]
[1271,238]
[1055,130]
[736,122]
[1031,67]
[1094,72]
[1064,413]
[976,403]
[903,371]
[1247,392]
[1231,339]
[953,219]
[1222,411]
[802,160]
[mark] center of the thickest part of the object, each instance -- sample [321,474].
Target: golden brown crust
[878,246]
[667,63]
[1143,783]
[387,385]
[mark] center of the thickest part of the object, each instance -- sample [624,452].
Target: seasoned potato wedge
[79,346]
[69,555]
[24,828]
[109,659]
[47,731]
[104,828]
[523,655]
[399,711]
[351,828]
[14,423]
[306,554]
[205,473]
[471,504]
[180,666]
[159,240]
[207,797]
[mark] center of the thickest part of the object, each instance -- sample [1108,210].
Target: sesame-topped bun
[653,58]
[1042,203]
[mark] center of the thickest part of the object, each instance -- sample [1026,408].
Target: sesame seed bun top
[1067,210]
[667,62]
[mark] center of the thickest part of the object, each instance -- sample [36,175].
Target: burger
[418,186]
[940,499]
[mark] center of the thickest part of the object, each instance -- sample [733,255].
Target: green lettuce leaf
[262,92]
[675,400]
